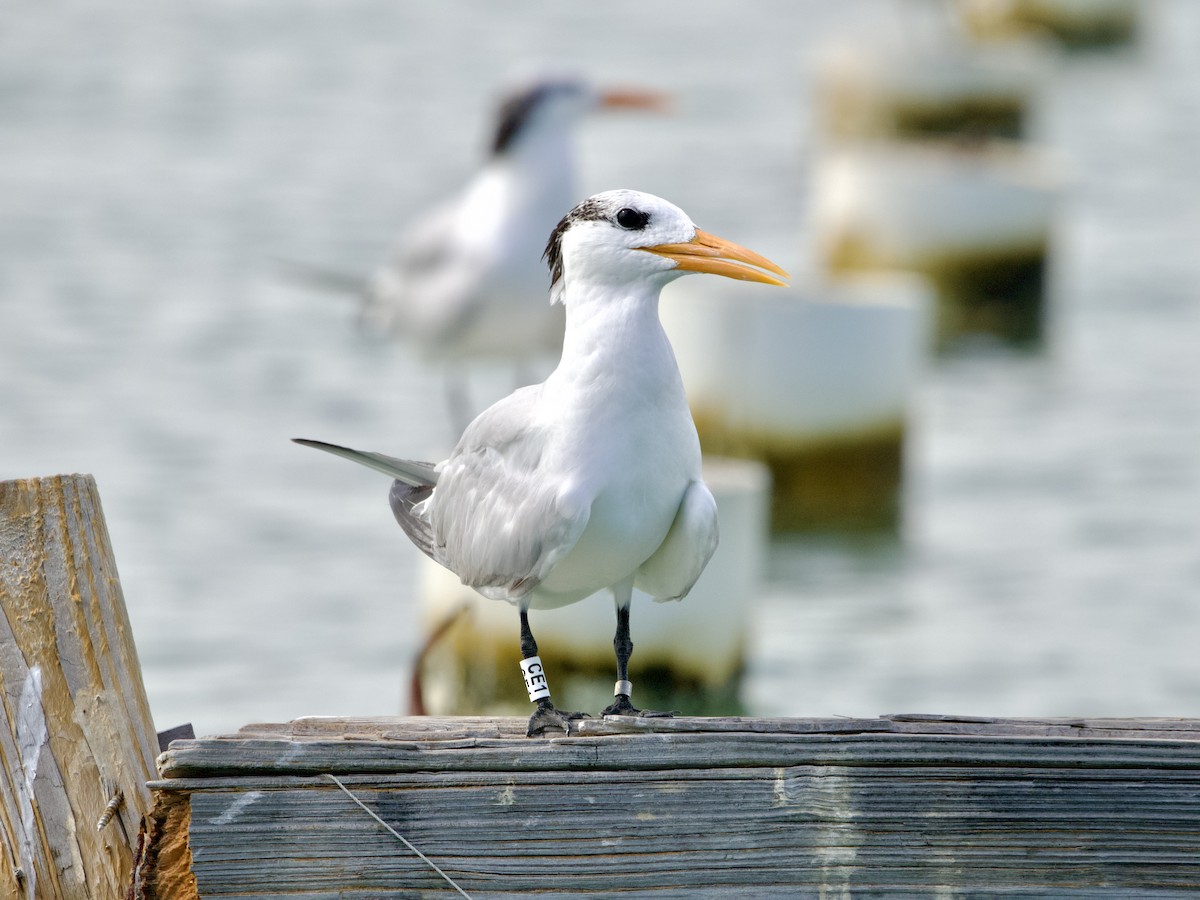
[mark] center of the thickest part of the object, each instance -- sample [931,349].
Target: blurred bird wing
[691,541]
[434,283]
[500,520]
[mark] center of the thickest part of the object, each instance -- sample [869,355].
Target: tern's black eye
[632,219]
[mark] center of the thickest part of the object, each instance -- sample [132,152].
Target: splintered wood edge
[163,867]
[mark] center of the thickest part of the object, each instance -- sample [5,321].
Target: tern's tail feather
[409,471]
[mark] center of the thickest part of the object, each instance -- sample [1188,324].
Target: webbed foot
[547,716]
[623,706]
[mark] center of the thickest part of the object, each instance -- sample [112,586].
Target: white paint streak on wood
[237,807]
[32,736]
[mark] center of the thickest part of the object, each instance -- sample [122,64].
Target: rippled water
[157,160]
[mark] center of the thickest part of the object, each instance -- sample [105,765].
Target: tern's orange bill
[635,98]
[708,253]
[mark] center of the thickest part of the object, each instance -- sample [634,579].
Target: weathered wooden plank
[1174,729]
[657,750]
[645,831]
[905,805]
[461,727]
[77,723]
[918,723]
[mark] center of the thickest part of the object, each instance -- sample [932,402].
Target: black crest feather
[590,209]
[514,112]
[519,107]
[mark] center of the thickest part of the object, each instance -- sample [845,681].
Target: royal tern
[591,479]
[465,282]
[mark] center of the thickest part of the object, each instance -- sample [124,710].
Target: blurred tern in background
[465,282]
[590,480]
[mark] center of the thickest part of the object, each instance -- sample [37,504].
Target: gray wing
[674,567]
[500,518]
[404,499]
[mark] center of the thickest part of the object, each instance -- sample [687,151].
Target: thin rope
[397,835]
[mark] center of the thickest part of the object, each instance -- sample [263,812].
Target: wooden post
[77,729]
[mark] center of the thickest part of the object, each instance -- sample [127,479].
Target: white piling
[816,382]
[936,88]
[978,222]
[1077,24]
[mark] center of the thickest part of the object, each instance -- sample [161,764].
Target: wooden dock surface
[696,807]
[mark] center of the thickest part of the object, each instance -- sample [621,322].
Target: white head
[622,236]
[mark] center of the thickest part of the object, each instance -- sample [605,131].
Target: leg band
[623,687]
[535,678]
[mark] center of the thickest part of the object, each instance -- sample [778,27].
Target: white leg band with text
[535,678]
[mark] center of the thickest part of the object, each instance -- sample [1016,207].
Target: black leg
[622,705]
[623,643]
[623,647]
[546,715]
[528,644]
